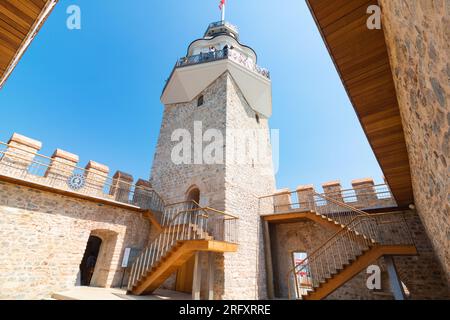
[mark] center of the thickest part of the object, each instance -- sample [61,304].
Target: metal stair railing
[182,222]
[345,246]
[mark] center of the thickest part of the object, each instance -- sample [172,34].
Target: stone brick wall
[226,186]
[418,39]
[43,237]
[421,274]
[244,184]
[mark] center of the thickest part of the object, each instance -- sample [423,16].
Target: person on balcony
[225,51]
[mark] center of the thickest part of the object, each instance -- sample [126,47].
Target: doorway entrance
[193,195]
[89,261]
[185,274]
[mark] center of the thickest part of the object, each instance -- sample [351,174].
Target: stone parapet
[305,197]
[19,154]
[364,190]
[121,186]
[61,167]
[333,189]
[96,175]
[19,159]
[282,200]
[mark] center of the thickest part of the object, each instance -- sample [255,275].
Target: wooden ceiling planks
[19,21]
[361,58]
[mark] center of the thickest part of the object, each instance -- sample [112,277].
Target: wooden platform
[301,215]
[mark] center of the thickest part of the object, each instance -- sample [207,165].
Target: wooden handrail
[342,204]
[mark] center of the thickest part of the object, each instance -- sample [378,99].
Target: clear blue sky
[95,91]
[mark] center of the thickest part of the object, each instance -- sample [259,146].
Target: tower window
[200,101]
[257,118]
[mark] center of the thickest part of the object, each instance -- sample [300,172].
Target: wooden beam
[197,282]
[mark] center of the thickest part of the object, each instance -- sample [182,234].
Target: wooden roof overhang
[361,59]
[20,21]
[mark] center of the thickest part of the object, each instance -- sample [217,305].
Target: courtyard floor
[90,293]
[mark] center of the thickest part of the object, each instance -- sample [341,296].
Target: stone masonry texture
[418,39]
[228,186]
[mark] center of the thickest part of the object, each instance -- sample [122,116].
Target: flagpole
[223,12]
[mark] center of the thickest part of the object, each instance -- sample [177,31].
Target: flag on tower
[222,3]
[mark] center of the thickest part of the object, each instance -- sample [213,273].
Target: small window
[257,118]
[200,101]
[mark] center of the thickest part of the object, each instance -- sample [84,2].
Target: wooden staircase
[353,266]
[176,257]
[185,230]
[355,246]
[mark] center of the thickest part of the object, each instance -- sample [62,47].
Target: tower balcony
[217,55]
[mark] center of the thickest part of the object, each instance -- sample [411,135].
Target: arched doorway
[185,274]
[89,260]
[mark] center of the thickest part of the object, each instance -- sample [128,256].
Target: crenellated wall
[19,159]
[363,195]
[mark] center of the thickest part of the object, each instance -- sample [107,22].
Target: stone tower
[215,139]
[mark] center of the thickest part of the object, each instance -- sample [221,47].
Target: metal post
[223,11]
[394,280]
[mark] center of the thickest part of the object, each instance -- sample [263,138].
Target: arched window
[257,117]
[193,195]
[200,101]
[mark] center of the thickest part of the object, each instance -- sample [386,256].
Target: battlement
[19,159]
[365,195]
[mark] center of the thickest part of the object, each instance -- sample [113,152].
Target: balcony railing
[364,198]
[226,24]
[217,55]
[21,164]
